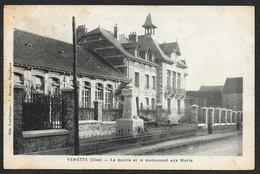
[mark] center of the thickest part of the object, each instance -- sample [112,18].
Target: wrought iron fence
[42,112]
[123,139]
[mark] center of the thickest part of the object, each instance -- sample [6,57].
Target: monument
[130,122]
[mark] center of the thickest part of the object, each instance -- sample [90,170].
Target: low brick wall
[111,115]
[220,128]
[86,113]
[38,143]
[149,115]
[92,128]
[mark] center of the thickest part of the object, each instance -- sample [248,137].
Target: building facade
[45,66]
[157,70]
[232,94]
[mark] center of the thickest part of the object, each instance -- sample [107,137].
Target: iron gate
[43,112]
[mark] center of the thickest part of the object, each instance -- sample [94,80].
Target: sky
[217,42]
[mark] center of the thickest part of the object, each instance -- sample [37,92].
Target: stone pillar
[205,111]
[158,113]
[194,114]
[17,120]
[211,120]
[68,121]
[130,122]
[226,116]
[98,110]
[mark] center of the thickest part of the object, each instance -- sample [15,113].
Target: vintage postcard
[129,87]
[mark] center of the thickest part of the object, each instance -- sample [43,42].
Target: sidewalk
[146,150]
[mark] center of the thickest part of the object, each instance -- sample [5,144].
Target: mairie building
[107,61]
[158,71]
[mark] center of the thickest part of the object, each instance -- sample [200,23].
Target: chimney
[80,31]
[133,37]
[115,31]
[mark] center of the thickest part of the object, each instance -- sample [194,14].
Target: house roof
[130,45]
[148,22]
[211,88]
[233,85]
[110,37]
[46,53]
[147,41]
[169,48]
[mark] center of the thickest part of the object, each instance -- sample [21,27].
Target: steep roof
[47,53]
[211,88]
[233,85]
[148,22]
[147,41]
[169,48]
[110,37]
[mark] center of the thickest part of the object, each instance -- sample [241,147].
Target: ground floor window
[169,105]
[99,91]
[147,103]
[153,104]
[179,106]
[85,97]
[109,97]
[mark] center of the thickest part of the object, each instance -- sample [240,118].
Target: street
[229,146]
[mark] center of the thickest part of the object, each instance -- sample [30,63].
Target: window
[136,79]
[18,78]
[179,106]
[85,97]
[174,79]
[153,104]
[109,97]
[99,91]
[53,86]
[169,105]
[178,80]
[147,81]
[153,77]
[168,78]
[147,103]
[37,84]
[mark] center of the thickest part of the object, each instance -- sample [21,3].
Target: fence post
[211,120]
[18,121]
[98,110]
[69,120]
[158,113]
[238,120]
[205,111]
[194,114]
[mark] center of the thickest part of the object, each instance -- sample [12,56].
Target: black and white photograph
[129,87]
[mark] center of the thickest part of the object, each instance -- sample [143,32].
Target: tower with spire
[148,25]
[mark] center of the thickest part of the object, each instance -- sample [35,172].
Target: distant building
[229,96]
[45,65]
[232,94]
[157,70]
[208,96]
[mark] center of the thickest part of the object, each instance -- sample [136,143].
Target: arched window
[54,86]
[86,94]
[99,91]
[37,84]
[109,97]
[18,78]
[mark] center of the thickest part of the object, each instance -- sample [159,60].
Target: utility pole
[76,101]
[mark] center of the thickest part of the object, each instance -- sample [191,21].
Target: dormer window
[29,45]
[61,52]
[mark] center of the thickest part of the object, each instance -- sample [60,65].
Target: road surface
[230,146]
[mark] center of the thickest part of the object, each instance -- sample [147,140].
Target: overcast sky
[217,42]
